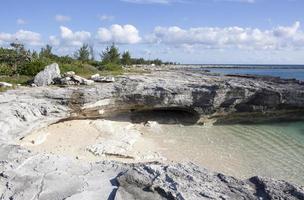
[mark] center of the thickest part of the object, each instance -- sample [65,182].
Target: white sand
[94,140]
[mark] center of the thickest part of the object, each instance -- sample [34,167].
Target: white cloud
[23,36]
[54,40]
[283,31]
[127,34]
[21,21]
[69,38]
[228,37]
[62,18]
[106,17]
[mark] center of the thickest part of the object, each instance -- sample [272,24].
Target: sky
[184,31]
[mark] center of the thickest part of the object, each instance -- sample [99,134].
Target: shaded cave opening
[167,115]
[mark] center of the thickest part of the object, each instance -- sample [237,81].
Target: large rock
[48,75]
[188,181]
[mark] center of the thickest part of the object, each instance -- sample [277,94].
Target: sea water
[288,72]
[271,150]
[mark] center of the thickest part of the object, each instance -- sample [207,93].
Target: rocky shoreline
[207,98]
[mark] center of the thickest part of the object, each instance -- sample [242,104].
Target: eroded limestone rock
[48,75]
[27,175]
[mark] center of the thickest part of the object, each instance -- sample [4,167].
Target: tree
[19,56]
[157,62]
[46,52]
[110,55]
[83,54]
[126,58]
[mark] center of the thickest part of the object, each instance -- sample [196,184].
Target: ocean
[282,71]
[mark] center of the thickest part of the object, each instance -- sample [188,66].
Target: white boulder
[69,74]
[95,76]
[47,76]
[5,84]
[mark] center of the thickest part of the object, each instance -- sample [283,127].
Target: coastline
[203,94]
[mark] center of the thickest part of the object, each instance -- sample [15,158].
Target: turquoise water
[283,72]
[270,150]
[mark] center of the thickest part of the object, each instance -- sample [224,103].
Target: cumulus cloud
[127,34]
[229,37]
[62,18]
[23,36]
[282,31]
[69,38]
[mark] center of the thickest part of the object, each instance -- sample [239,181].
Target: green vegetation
[83,54]
[18,65]
[110,59]
[126,58]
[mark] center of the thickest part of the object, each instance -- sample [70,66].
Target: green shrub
[6,70]
[111,67]
[94,63]
[33,68]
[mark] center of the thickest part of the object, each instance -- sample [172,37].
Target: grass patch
[83,70]
[22,79]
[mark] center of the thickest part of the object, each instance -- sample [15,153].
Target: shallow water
[273,150]
[270,150]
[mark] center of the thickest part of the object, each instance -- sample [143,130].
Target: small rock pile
[70,78]
[51,75]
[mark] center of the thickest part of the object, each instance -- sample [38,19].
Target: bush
[111,67]
[6,70]
[94,63]
[32,68]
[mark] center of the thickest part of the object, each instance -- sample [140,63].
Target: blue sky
[186,31]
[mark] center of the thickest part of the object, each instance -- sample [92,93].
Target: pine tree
[83,54]
[111,55]
[126,58]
